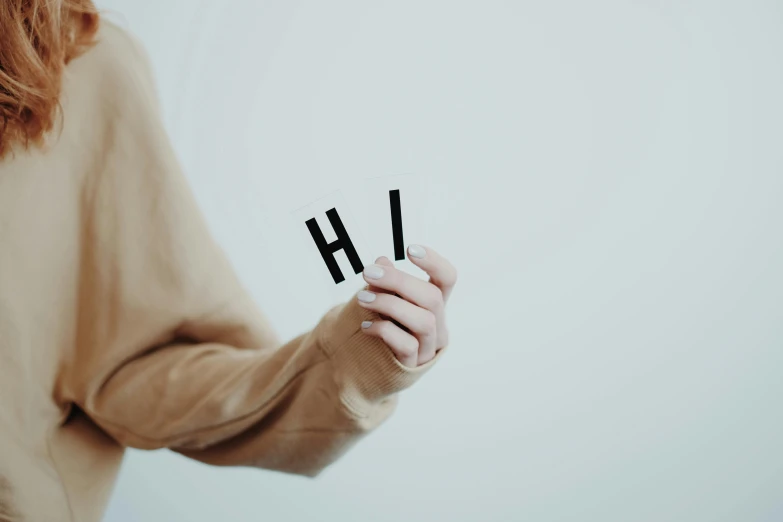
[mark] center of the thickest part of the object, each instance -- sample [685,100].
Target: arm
[171,351]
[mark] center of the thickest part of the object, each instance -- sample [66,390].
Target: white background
[606,175]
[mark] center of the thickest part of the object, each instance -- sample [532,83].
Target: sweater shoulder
[118,52]
[115,75]
[113,129]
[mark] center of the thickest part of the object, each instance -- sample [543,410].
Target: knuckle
[384,330]
[436,298]
[402,352]
[430,323]
[410,348]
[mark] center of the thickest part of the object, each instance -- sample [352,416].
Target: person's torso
[54,463]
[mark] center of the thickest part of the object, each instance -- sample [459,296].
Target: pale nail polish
[366,297]
[373,272]
[417,251]
[366,324]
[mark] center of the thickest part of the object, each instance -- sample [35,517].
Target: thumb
[383,260]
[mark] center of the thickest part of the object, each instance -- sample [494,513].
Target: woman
[122,323]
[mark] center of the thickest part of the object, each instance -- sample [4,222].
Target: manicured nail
[366,324]
[373,272]
[366,297]
[417,251]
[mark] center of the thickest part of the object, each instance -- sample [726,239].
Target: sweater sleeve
[172,352]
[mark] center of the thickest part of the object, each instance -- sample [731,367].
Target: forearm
[296,408]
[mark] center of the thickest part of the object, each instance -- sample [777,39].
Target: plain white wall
[606,175]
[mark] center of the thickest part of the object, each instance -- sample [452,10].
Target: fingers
[442,273]
[421,323]
[403,345]
[411,288]
[430,295]
[385,262]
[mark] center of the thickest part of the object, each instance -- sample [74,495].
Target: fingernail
[373,272]
[366,324]
[366,297]
[417,251]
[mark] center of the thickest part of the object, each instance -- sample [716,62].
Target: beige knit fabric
[123,324]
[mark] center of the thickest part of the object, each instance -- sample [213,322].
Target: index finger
[442,273]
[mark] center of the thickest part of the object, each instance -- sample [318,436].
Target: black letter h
[328,249]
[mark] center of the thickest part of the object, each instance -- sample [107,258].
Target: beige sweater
[122,323]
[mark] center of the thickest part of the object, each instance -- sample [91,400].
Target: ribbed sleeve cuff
[367,370]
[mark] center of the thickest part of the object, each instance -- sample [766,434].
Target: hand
[413,319]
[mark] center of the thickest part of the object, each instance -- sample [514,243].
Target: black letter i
[396,218]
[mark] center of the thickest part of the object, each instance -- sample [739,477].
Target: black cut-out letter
[396,219]
[328,249]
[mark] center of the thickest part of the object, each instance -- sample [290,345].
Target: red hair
[37,39]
